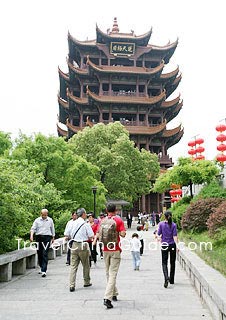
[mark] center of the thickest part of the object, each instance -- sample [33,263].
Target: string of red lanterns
[221,157]
[175,195]
[196,152]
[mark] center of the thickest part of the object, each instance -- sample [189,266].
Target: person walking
[66,234]
[129,219]
[140,236]
[101,216]
[135,251]
[110,230]
[79,233]
[157,218]
[167,230]
[43,228]
[92,243]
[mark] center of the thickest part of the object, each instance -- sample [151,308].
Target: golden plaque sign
[122,48]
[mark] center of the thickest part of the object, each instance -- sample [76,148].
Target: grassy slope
[216,257]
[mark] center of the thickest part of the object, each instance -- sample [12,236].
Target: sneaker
[114,298]
[102,257]
[138,268]
[40,271]
[43,274]
[72,289]
[108,304]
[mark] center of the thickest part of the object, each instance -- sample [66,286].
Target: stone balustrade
[18,261]
[209,283]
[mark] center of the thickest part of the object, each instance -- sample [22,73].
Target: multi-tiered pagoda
[119,77]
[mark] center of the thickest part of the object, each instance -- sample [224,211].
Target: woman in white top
[135,250]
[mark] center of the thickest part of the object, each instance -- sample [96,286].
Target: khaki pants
[79,252]
[112,261]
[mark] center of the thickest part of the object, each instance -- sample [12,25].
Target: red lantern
[192,152]
[221,147]
[175,199]
[200,149]
[191,143]
[221,127]
[199,141]
[221,137]
[221,157]
[200,157]
[172,193]
[178,192]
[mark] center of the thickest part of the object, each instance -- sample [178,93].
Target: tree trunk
[190,185]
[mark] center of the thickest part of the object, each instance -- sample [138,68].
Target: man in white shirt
[79,233]
[66,234]
[43,228]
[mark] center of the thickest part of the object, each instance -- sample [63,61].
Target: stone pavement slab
[141,293]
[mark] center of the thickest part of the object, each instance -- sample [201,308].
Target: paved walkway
[141,293]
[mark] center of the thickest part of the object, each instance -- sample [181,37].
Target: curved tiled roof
[73,128]
[63,75]
[175,138]
[81,43]
[77,99]
[170,74]
[126,99]
[173,112]
[122,69]
[146,130]
[171,103]
[165,47]
[171,87]
[177,80]
[61,132]
[171,132]
[77,70]
[63,103]
[128,36]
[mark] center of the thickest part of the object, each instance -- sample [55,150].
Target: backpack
[108,233]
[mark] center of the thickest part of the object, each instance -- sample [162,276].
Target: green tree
[22,194]
[70,174]
[185,173]
[125,171]
[5,142]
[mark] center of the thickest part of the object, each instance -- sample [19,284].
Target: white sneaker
[40,271]
[43,274]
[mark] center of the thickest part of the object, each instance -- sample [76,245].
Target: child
[135,250]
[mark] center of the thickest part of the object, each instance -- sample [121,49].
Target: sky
[34,43]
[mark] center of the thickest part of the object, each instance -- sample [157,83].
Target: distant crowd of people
[89,236]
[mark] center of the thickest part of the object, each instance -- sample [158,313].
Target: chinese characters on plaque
[122,48]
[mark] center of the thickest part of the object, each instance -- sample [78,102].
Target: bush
[212,190]
[178,212]
[217,219]
[198,212]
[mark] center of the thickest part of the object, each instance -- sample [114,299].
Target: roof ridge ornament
[115,28]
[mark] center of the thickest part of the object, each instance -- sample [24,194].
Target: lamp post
[94,189]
